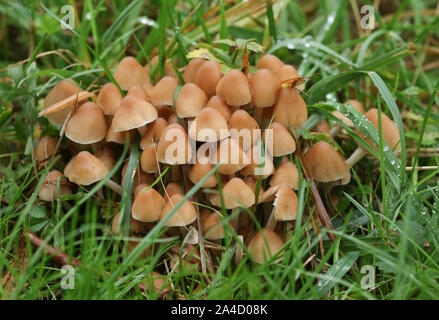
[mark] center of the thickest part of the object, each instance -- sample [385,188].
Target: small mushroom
[184,216]
[173,146]
[152,134]
[389,131]
[270,62]
[264,245]
[138,92]
[129,72]
[49,189]
[147,205]
[213,227]
[199,170]
[148,159]
[87,125]
[209,126]
[337,128]
[283,142]
[284,206]
[191,69]
[217,103]
[231,156]
[208,76]
[163,92]
[133,113]
[234,89]
[46,148]
[325,164]
[290,109]
[109,99]
[247,130]
[190,100]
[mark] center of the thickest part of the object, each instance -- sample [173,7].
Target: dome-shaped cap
[217,103]
[163,92]
[356,105]
[290,109]
[138,92]
[209,126]
[265,86]
[191,69]
[247,129]
[236,193]
[199,170]
[87,125]
[147,206]
[148,160]
[324,163]
[287,72]
[173,146]
[109,98]
[49,188]
[129,72]
[62,90]
[212,227]
[106,155]
[190,100]
[283,142]
[234,88]
[46,147]
[286,173]
[389,128]
[264,245]
[86,169]
[285,204]
[257,167]
[270,62]
[208,76]
[133,113]
[185,215]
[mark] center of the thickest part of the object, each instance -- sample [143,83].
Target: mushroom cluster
[244,122]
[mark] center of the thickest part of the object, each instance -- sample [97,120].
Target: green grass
[386,217]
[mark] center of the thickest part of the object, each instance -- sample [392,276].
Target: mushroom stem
[335,130]
[358,154]
[235,219]
[271,223]
[258,115]
[114,186]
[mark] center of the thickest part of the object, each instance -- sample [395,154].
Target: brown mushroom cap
[285,204]
[148,160]
[147,206]
[264,85]
[234,89]
[173,146]
[208,76]
[191,69]
[49,189]
[185,215]
[45,148]
[231,156]
[252,183]
[356,105]
[199,170]
[109,98]
[212,227]
[324,163]
[389,129]
[283,142]
[287,72]
[286,173]
[209,126]
[173,188]
[290,109]
[190,100]
[163,92]
[87,125]
[138,92]
[241,120]
[62,90]
[236,193]
[133,113]
[270,62]
[86,169]
[264,245]
[129,72]
[152,134]
[218,104]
